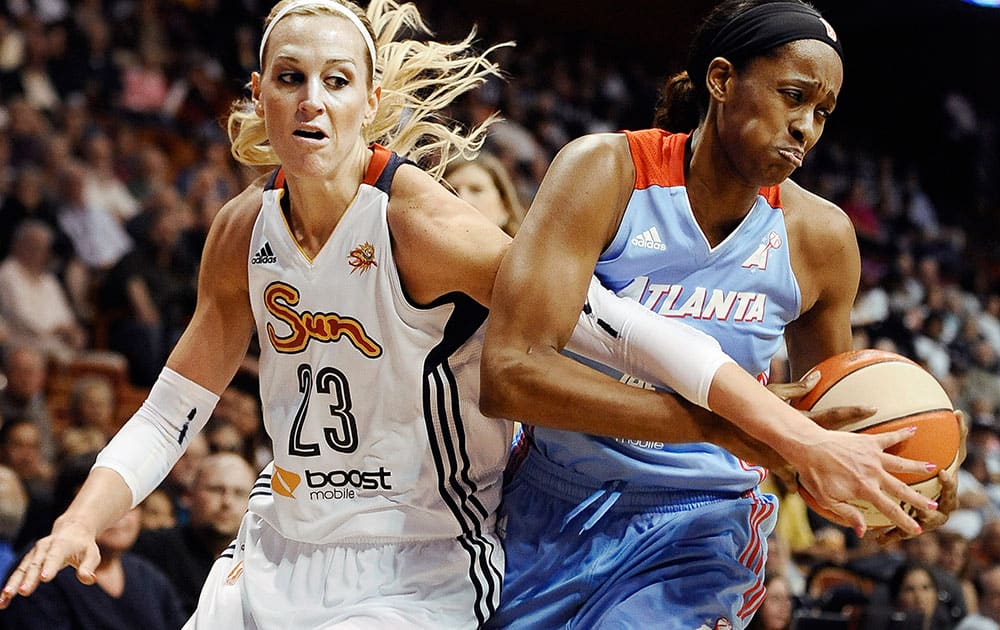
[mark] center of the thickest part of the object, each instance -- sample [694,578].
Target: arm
[442,244]
[537,298]
[207,356]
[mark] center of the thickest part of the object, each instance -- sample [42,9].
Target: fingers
[25,578]
[897,464]
[963,425]
[795,390]
[928,519]
[885,440]
[836,418]
[850,516]
[86,571]
[948,501]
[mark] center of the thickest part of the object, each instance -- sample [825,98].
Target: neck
[315,205]
[719,199]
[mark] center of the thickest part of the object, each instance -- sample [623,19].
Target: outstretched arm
[137,459]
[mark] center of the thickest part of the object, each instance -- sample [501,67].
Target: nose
[804,128]
[311,100]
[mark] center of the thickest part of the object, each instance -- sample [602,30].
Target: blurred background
[114,160]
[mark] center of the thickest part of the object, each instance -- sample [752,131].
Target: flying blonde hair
[418,80]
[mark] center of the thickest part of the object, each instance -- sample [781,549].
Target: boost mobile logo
[284,482]
[344,484]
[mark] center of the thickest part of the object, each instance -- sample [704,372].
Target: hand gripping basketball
[905,399]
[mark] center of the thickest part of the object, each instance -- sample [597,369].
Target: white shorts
[266,581]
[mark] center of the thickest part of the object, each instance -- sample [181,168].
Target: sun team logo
[362,258]
[280,300]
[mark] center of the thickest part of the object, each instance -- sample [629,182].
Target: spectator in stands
[99,238]
[32,300]
[485,183]
[20,451]
[27,200]
[913,592]
[143,298]
[218,499]
[240,408]
[130,592]
[92,404]
[157,511]
[24,397]
[775,613]
[102,187]
[954,558]
[988,592]
[180,479]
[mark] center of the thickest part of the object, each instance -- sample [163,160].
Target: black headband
[762,28]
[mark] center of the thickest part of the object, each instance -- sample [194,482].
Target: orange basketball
[905,394]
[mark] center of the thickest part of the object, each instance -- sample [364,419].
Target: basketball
[905,395]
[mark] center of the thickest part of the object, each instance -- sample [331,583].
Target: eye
[336,82]
[824,113]
[795,96]
[290,78]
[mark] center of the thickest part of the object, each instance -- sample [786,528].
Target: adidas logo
[265,256]
[650,239]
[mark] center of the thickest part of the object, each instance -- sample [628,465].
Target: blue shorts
[585,555]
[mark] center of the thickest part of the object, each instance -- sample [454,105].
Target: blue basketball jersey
[741,291]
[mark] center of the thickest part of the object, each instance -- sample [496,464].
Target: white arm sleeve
[623,334]
[151,442]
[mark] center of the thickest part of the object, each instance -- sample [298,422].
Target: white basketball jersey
[371,401]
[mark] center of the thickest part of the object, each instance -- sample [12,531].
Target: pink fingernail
[932,505]
[912,429]
[930,466]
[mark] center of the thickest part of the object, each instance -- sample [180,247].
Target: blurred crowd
[114,161]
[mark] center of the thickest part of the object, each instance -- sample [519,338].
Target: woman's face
[918,593]
[121,535]
[772,113]
[474,184]
[776,611]
[313,93]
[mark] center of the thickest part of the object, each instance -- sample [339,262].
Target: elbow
[500,375]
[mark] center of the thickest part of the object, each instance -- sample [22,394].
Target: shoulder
[823,248]
[417,202]
[441,243]
[229,237]
[611,149]
[240,212]
[814,222]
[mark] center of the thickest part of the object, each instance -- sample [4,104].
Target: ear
[255,94]
[373,100]
[718,78]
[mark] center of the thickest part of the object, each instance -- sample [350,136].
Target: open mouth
[312,135]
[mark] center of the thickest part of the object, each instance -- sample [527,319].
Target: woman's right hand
[70,544]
